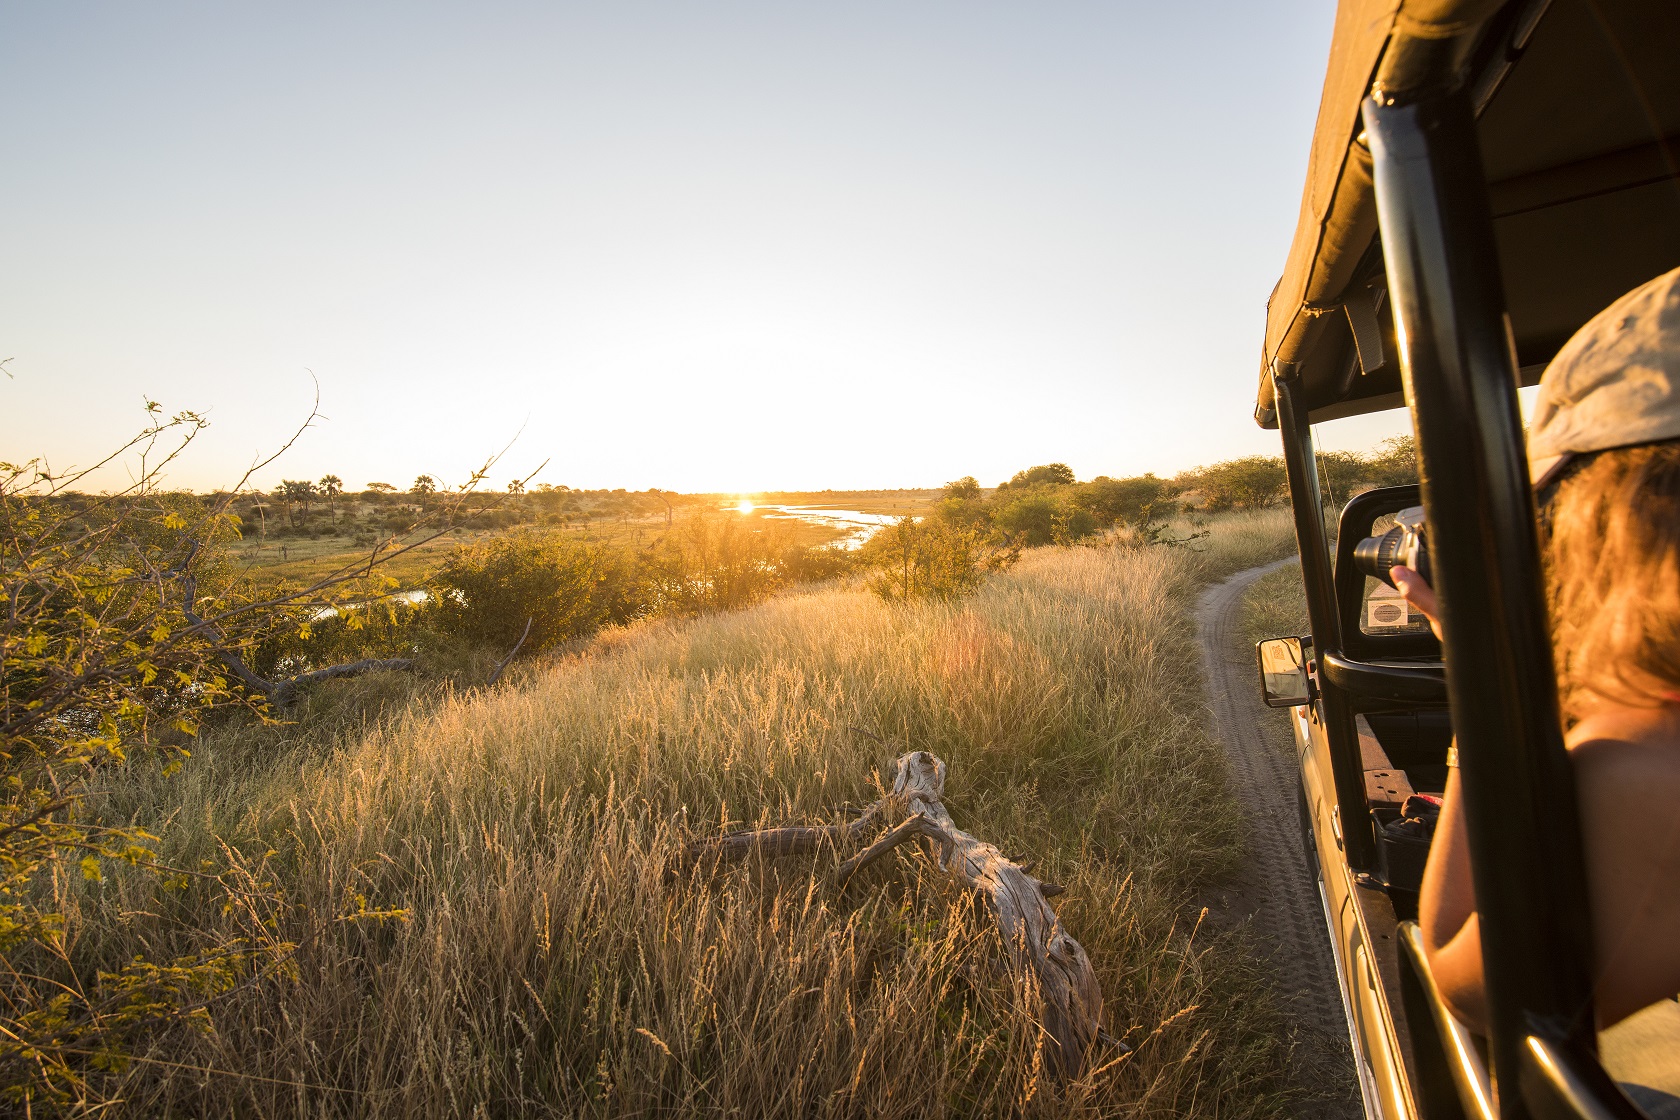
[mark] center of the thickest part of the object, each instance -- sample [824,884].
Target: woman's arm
[1452,938]
[1452,934]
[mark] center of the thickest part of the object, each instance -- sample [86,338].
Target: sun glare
[743,506]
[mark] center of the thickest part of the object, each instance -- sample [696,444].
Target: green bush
[1252,482]
[485,593]
[712,565]
[1050,474]
[1042,517]
[934,559]
[1126,501]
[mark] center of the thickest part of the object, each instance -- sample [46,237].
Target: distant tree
[662,496]
[332,486]
[1395,464]
[965,489]
[1248,483]
[297,495]
[424,487]
[1339,474]
[517,486]
[382,488]
[1131,501]
[1049,474]
[1030,518]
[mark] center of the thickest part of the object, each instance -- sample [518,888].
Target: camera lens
[1375,556]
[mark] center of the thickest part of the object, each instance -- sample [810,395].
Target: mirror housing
[1284,680]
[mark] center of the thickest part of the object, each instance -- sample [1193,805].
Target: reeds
[543,964]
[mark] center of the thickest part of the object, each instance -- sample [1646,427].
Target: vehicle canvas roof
[1579,118]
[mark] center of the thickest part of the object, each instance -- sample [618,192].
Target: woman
[1604,452]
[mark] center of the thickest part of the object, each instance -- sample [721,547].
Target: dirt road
[1274,890]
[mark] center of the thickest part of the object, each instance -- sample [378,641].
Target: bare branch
[503,664]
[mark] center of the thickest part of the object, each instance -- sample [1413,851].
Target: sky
[709,246]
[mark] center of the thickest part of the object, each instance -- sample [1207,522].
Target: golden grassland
[310,558]
[544,965]
[1275,606]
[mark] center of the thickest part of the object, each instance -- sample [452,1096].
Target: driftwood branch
[1041,950]
[502,665]
[284,692]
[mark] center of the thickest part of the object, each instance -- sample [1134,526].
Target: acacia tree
[125,625]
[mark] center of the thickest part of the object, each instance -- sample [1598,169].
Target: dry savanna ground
[475,884]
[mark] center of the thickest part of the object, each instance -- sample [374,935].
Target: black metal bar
[1460,378]
[1347,766]
[1403,684]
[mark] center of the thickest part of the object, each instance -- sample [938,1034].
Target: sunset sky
[701,246]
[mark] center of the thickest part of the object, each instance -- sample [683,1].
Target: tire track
[1275,890]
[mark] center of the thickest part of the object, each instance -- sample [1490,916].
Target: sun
[743,506]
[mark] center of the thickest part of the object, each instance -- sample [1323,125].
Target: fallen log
[283,692]
[1042,952]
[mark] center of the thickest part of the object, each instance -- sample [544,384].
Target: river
[855,524]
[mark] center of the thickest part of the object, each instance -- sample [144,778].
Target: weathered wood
[1052,963]
[501,666]
[1040,946]
[284,692]
[793,840]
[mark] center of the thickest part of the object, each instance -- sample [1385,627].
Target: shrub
[1252,482]
[711,565]
[1043,517]
[1050,474]
[485,593]
[934,559]
[1125,501]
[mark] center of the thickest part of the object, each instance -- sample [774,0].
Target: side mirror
[1283,673]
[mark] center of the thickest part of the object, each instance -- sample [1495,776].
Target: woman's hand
[1417,592]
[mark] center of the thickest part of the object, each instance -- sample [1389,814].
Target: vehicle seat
[1642,1052]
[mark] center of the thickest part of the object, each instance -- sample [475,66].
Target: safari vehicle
[1484,178]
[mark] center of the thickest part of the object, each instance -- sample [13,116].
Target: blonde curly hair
[1613,576]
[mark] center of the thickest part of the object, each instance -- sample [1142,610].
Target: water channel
[855,524]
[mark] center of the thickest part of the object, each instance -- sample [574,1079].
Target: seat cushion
[1642,1052]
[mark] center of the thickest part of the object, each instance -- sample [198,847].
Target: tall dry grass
[545,966]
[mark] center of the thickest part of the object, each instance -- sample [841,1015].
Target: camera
[1403,544]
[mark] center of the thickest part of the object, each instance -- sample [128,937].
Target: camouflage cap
[1616,383]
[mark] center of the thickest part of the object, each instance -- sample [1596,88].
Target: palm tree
[332,486]
[424,487]
[297,496]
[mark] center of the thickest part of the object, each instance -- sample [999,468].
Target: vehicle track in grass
[1273,890]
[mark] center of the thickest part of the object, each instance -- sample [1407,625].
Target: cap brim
[1542,471]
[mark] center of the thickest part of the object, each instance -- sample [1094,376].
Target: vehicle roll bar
[1460,378]
[1346,765]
